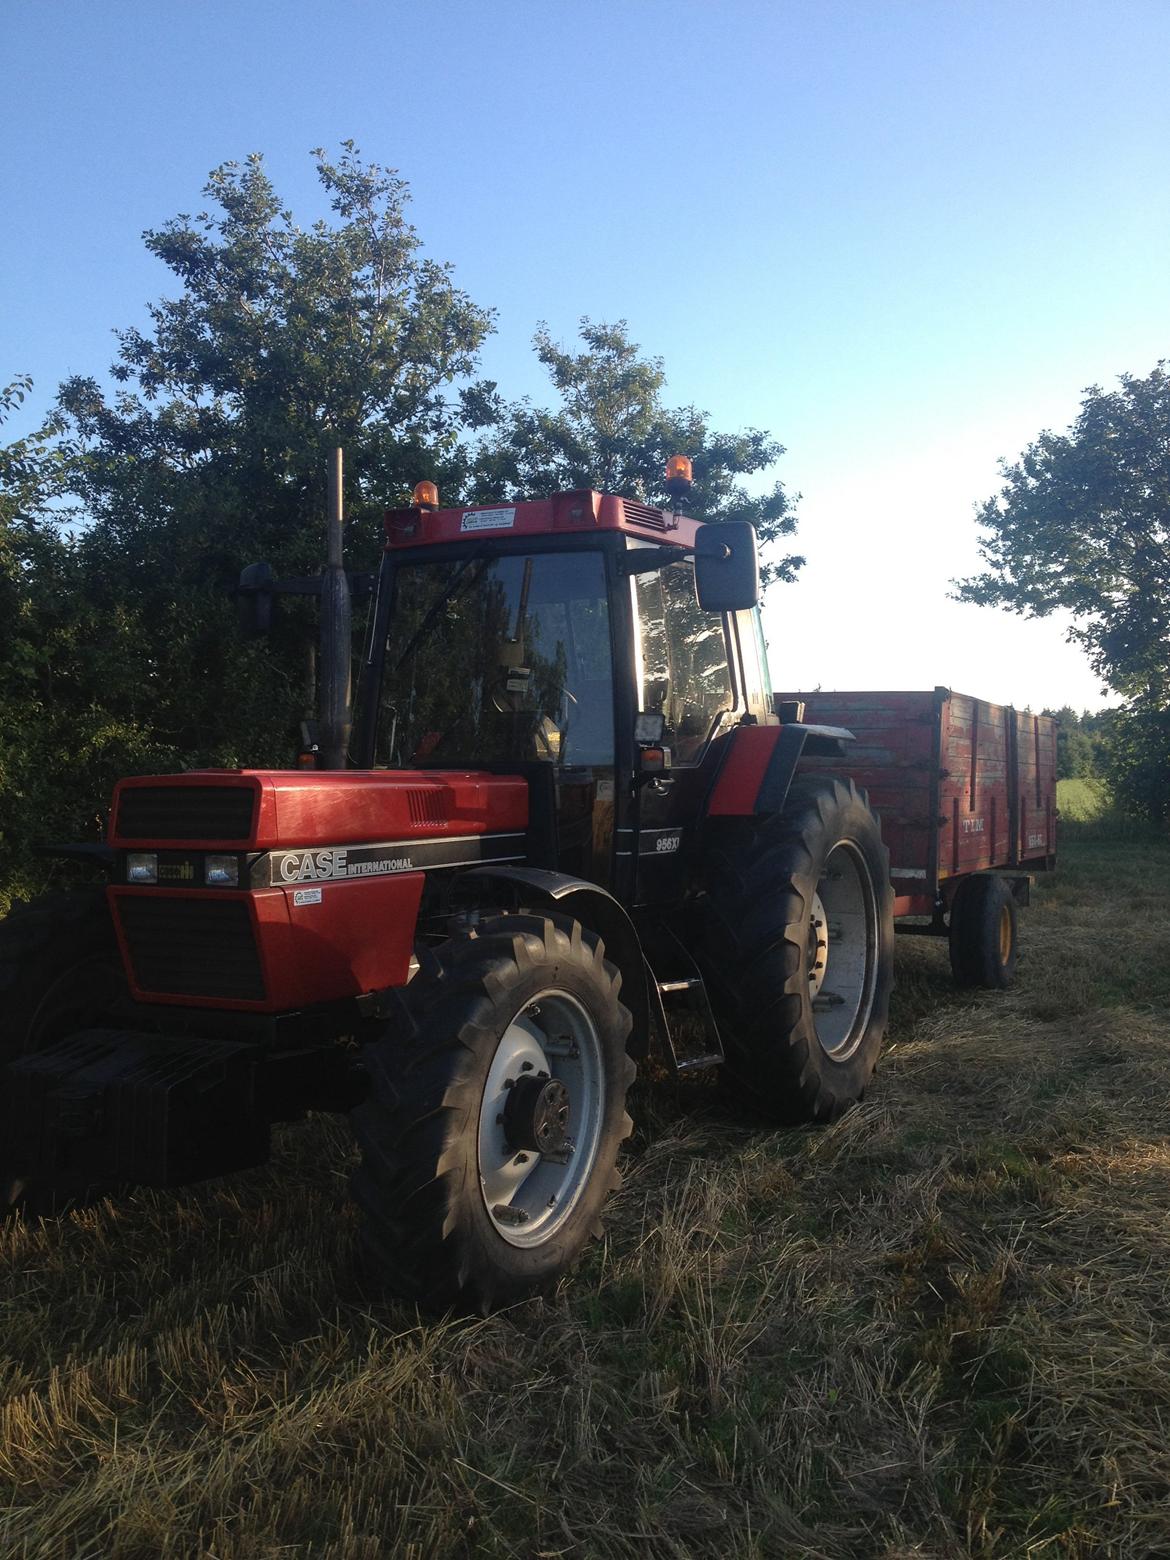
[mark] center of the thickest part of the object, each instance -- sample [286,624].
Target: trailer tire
[984,933]
[776,890]
[60,971]
[462,1203]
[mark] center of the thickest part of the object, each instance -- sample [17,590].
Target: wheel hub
[842,951]
[545,1079]
[818,946]
[536,1115]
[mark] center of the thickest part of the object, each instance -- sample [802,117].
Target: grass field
[1083,801]
[940,1327]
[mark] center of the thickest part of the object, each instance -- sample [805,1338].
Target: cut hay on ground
[940,1327]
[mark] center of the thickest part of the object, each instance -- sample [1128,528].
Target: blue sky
[901,236]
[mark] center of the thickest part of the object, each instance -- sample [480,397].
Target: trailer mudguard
[760,761]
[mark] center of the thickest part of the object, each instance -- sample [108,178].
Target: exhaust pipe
[336,635]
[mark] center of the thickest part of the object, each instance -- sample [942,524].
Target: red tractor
[564,832]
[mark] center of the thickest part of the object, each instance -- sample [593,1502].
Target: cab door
[685,670]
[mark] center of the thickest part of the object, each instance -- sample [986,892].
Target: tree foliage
[612,431]
[59,747]
[1137,760]
[1082,524]
[282,342]
[1081,742]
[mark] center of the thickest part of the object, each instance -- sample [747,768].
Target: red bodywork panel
[310,807]
[357,938]
[321,937]
[960,785]
[742,772]
[584,511]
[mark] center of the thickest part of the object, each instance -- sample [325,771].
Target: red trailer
[966,794]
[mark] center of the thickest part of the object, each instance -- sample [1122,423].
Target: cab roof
[583,510]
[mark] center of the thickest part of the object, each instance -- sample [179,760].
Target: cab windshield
[498,658]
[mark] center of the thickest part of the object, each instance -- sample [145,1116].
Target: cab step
[691,1031]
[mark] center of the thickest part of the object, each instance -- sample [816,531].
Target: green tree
[1078,744]
[283,341]
[57,743]
[31,478]
[1082,524]
[612,431]
[1136,759]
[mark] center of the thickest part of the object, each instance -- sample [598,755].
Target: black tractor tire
[984,934]
[60,972]
[798,912]
[469,1036]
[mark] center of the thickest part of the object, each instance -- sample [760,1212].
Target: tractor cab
[596,638]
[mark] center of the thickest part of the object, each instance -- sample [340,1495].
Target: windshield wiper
[444,600]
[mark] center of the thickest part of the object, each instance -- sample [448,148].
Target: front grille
[192,947]
[642,514]
[186,812]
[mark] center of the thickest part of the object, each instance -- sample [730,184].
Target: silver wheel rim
[842,952]
[529,1195]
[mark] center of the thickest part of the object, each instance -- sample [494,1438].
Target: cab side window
[681,660]
[753,652]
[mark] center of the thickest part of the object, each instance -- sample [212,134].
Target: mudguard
[759,764]
[596,908]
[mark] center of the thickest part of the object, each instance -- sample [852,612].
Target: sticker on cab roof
[488,519]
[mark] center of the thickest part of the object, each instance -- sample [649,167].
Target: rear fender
[759,763]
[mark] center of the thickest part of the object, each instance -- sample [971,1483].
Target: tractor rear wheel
[497,1108]
[984,934]
[60,972]
[797,949]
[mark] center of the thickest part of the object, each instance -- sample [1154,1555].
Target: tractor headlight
[222,871]
[142,866]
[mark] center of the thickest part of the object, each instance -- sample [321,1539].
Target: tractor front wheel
[797,948]
[497,1108]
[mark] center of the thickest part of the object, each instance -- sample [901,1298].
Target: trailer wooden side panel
[1036,764]
[960,785]
[975,786]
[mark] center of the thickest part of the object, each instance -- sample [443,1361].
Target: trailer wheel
[798,951]
[984,933]
[490,1136]
[60,971]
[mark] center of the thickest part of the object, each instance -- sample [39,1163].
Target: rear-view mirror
[254,600]
[727,567]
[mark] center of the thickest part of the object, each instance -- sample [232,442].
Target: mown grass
[940,1327]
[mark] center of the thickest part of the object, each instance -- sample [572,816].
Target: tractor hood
[256,809]
[272,890]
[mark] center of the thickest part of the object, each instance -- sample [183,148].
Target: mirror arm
[648,560]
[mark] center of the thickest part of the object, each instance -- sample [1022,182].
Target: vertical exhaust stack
[336,638]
